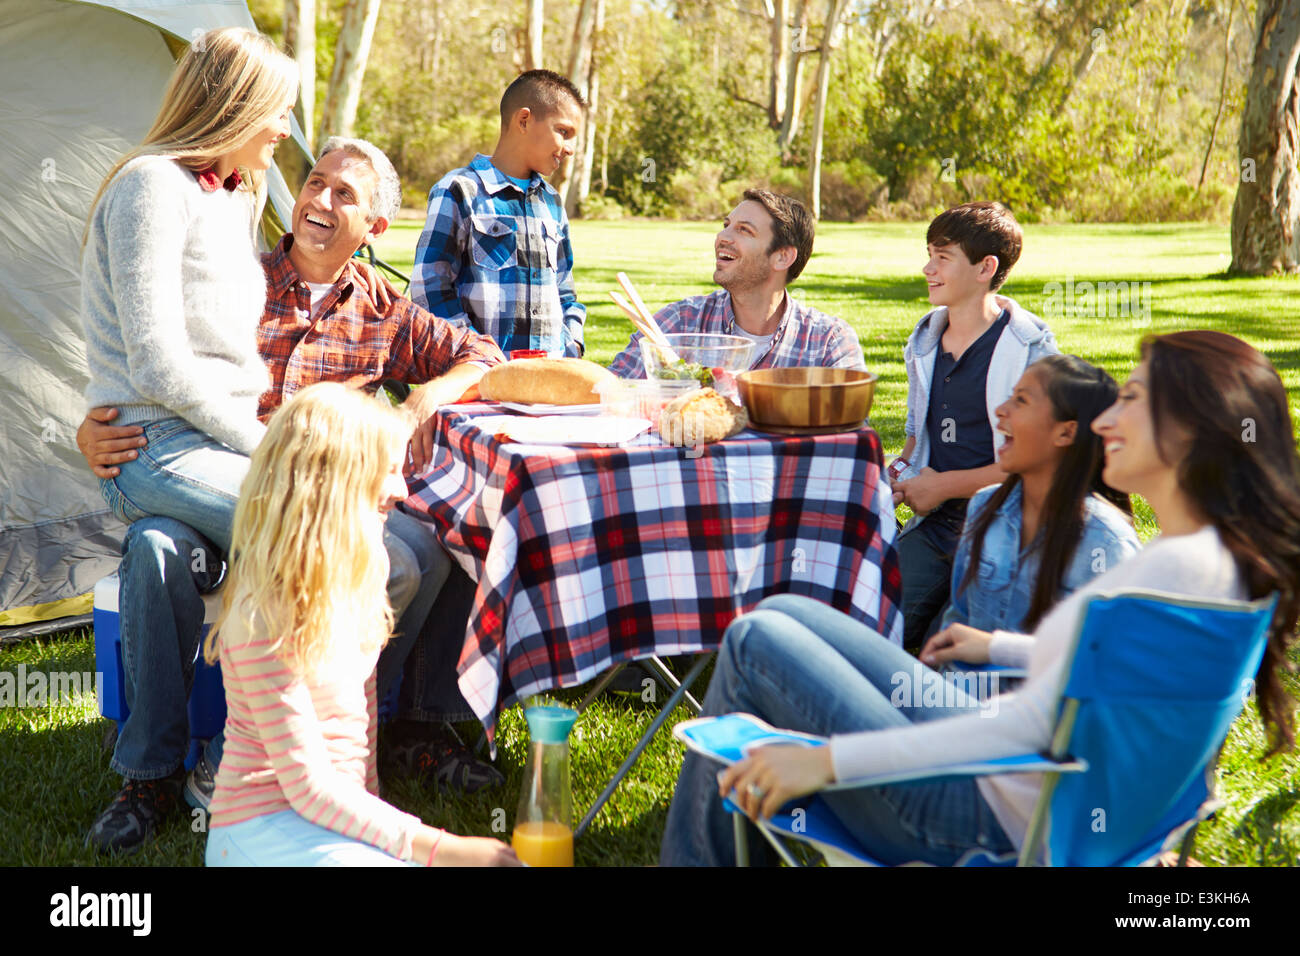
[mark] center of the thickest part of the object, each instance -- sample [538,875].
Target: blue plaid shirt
[804,336]
[499,259]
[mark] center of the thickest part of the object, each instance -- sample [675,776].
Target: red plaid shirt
[364,333]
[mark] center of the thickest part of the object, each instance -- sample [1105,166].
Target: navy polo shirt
[957,423]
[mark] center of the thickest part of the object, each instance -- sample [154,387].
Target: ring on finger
[755,791]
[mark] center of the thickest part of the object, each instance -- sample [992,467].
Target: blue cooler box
[207,707]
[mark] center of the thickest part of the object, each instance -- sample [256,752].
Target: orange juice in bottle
[544,844]
[544,824]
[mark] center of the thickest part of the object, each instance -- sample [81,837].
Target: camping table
[586,558]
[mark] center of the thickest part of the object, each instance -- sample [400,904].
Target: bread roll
[700,417]
[544,381]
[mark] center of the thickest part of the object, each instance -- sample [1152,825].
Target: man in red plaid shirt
[327,318]
[764,244]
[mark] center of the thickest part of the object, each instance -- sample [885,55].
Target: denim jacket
[999,596]
[1025,340]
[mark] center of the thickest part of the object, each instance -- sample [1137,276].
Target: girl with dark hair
[1046,531]
[1202,431]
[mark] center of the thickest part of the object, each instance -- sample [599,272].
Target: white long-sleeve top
[1195,565]
[172,292]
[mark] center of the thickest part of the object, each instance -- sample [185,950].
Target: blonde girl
[304,617]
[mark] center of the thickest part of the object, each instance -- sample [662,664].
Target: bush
[689,132]
[599,206]
[851,191]
[425,154]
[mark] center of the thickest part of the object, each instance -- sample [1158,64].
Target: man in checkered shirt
[764,244]
[495,251]
[327,318]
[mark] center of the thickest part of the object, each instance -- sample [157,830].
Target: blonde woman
[172,295]
[303,620]
[172,288]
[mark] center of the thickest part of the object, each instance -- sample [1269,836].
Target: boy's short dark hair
[541,91]
[981,229]
[792,225]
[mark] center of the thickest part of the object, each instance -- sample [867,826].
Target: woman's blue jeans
[802,665]
[183,488]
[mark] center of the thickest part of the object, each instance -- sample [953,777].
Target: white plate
[552,409]
[563,430]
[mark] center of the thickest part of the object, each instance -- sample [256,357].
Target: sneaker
[134,816]
[200,784]
[441,759]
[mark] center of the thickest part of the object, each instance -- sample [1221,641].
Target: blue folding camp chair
[1154,684]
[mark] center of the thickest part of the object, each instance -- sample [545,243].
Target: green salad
[682,370]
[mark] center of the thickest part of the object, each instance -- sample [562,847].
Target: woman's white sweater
[172,292]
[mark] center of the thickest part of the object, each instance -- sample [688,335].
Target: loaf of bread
[544,381]
[700,417]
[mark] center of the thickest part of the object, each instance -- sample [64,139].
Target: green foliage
[969,112]
[1098,110]
[692,139]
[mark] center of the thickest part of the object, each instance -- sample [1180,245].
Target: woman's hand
[957,642]
[774,775]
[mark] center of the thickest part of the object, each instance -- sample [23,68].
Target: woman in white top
[1229,510]
[172,287]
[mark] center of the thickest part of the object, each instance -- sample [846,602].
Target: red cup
[527,353]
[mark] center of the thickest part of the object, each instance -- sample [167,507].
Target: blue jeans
[167,564]
[286,839]
[927,581]
[430,687]
[801,665]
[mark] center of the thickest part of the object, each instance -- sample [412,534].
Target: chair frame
[1056,759]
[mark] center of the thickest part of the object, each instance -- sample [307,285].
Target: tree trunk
[834,9]
[1266,212]
[591,19]
[1223,92]
[580,51]
[300,41]
[604,147]
[793,101]
[533,50]
[344,93]
[780,57]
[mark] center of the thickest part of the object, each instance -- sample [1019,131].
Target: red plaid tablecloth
[585,557]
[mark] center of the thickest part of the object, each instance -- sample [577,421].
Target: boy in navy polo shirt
[495,252]
[963,360]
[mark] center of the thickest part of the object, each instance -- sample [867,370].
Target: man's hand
[460,384]
[774,775]
[106,445]
[423,404]
[924,493]
[957,642]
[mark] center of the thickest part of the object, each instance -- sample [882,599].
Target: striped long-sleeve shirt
[308,746]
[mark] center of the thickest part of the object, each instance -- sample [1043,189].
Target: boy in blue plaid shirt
[495,251]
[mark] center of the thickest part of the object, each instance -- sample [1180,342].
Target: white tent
[80,83]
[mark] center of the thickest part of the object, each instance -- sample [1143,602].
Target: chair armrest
[1023,763]
[1002,670]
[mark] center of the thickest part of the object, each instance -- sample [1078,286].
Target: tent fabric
[82,84]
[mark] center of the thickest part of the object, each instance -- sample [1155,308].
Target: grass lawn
[54,778]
